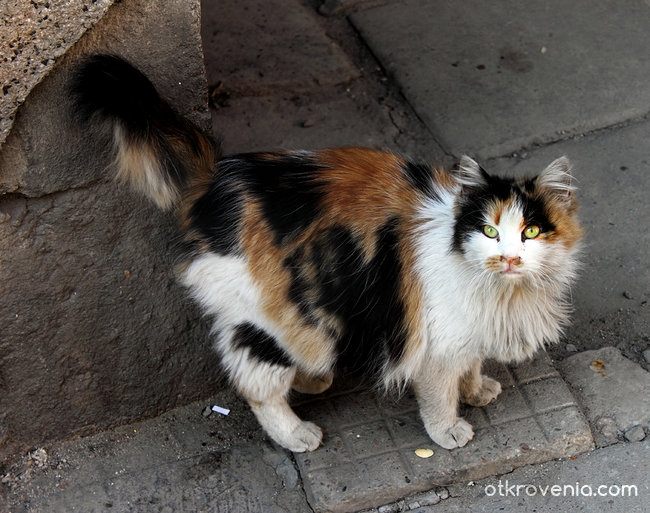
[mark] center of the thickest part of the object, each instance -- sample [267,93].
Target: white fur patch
[557,176]
[224,288]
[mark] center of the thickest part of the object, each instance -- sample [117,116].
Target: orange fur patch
[412,296]
[365,187]
[564,216]
[312,347]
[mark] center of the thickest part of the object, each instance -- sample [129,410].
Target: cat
[311,261]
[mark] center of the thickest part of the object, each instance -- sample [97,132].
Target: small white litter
[219,409]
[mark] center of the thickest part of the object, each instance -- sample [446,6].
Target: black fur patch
[216,216]
[474,202]
[288,188]
[535,213]
[262,345]
[109,86]
[420,176]
[330,274]
[301,284]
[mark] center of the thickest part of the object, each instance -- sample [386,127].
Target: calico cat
[309,261]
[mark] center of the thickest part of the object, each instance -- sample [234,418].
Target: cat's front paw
[489,391]
[307,436]
[457,435]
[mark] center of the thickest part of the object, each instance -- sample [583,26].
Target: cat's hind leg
[263,375]
[477,389]
[307,384]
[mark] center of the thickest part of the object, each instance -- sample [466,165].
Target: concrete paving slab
[611,480]
[369,459]
[593,481]
[262,46]
[323,118]
[612,173]
[179,461]
[240,479]
[488,80]
[297,122]
[300,103]
[609,386]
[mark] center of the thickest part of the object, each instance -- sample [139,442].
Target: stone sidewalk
[187,460]
[491,80]
[513,87]
[608,481]
[369,459]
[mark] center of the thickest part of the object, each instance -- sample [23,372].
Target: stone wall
[33,35]
[94,329]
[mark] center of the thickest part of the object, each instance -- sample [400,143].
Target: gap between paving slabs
[368,456]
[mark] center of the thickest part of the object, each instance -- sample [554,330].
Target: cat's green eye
[490,231]
[531,231]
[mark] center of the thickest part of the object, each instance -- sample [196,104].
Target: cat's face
[515,230]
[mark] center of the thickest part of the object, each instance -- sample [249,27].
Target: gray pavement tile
[368,456]
[488,80]
[368,438]
[408,431]
[511,405]
[241,479]
[547,394]
[334,453]
[535,437]
[565,426]
[265,46]
[534,369]
[529,488]
[619,389]
[355,408]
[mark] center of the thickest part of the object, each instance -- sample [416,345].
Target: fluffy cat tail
[158,151]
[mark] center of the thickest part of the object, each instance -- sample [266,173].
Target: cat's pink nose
[511,261]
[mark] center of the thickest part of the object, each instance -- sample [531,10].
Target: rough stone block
[95,331]
[34,35]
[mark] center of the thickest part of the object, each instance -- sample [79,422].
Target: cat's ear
[469,173]
[557,179]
